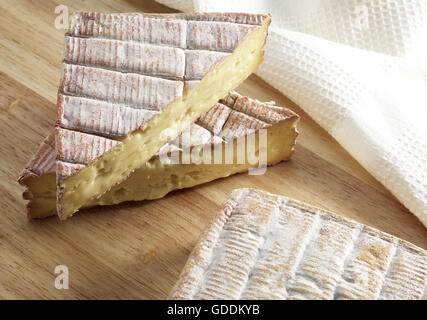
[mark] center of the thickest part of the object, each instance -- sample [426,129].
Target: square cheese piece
[264,246]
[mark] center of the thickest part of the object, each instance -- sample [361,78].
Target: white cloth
[359,68]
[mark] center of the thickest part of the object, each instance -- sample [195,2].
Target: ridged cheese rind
[76,147]
[43,161]
[126,56]
[264,246]
[129,89]
[104,118]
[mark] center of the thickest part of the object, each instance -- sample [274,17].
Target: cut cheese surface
[264,246]
[141,79]
[225,124]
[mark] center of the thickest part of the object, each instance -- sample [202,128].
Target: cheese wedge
[264,246]
[124,78]
[232,121]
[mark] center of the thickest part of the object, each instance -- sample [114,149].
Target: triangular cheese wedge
[230,122]
[124,78]
[264,246]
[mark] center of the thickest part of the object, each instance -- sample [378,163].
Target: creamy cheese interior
[41,192]
[136,149]
[155,179]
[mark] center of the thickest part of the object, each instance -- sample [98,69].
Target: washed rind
[265,246]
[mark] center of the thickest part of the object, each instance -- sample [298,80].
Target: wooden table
[136,250]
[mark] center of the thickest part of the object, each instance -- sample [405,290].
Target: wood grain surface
[137,250]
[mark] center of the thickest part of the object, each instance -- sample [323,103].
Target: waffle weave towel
[359,68]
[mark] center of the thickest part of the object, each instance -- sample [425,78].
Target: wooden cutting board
[136,250]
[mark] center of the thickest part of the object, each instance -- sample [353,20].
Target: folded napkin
[359,68]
